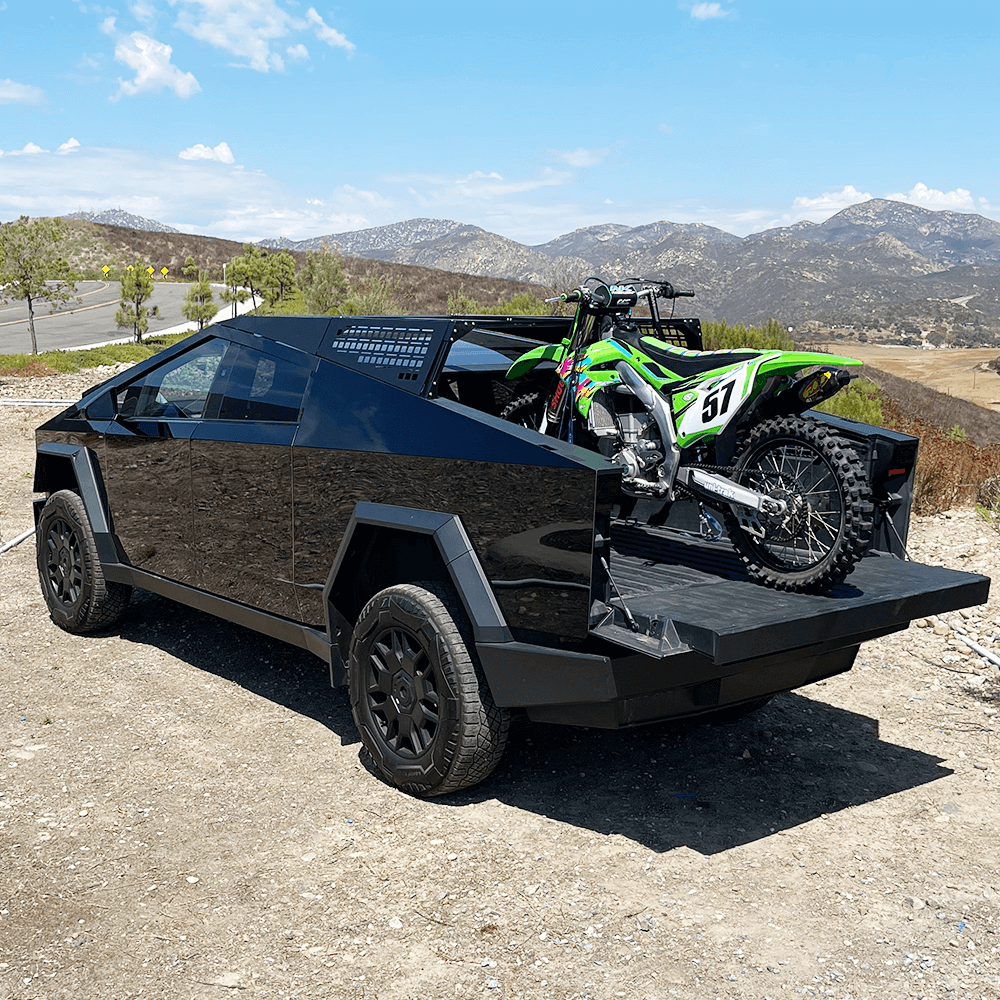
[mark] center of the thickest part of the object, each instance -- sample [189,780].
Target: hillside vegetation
[419,290]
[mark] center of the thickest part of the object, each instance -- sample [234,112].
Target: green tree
[137,286]
[235,291]
[253,266]
[772,336]
[199,303]
[323,282]
[190,269]
[373,295]
[522,304]
[31,268]
[277,278]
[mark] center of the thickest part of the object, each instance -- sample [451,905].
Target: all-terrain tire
[418,694]
[526,410]
[78,596]
[828,525]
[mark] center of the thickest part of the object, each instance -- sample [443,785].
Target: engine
[628,435]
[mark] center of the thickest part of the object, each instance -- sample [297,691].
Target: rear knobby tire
[78,596]
[418,694]
[828,525]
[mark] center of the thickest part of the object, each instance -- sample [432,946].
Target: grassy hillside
[421,290]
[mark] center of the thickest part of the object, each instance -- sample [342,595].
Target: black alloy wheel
[78,596]
[418,694]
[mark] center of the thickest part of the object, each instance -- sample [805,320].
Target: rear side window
[175,390]
[262,387]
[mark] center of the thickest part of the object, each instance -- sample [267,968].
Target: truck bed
[715,609]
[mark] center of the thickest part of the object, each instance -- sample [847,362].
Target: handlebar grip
[573,296]
[683,295]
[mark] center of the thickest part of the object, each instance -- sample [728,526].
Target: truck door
[241,475]
[148,461]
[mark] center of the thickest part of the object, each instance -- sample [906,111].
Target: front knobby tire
[828,524]
[525,411]
[418,694]
[78,596]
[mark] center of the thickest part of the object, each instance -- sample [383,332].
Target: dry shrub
[33,369]
[949,472]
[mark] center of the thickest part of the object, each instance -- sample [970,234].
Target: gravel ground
[185,811]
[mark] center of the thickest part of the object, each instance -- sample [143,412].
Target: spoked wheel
[526,411]
[78,596]
[826,524]
[420,700]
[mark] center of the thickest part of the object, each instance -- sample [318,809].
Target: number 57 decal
[716,403]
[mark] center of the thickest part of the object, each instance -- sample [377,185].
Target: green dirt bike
[722,427]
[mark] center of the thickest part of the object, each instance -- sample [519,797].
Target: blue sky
[254,118]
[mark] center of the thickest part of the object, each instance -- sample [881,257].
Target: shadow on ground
[708,787]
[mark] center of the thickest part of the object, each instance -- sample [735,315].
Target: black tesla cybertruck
[347,484]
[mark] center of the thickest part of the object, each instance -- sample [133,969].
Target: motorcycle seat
[684,363]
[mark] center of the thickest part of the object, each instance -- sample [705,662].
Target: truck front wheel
[78,596]
[418,694]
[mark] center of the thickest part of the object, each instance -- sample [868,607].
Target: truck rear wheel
[78,596]
[418,694]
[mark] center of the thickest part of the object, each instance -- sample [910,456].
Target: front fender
[527,362]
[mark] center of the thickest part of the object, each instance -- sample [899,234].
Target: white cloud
[196,196]
[222,153]
[30,149]
[20,93]
[245,28]
[68,146]
[248,28]
[707,11]
[829,203]
[664,129]
[150,60]
[583,157]
[921,194]
[143,11]
[325,33]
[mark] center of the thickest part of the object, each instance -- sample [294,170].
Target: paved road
[89,321]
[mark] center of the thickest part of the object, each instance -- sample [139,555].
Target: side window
[262,387]
[175,390]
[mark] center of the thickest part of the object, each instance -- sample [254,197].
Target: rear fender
[789,362]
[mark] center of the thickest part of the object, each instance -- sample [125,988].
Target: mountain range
[878,265]
[124,220]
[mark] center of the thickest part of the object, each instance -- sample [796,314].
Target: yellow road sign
[149,270]
[163,271]
[130,268]
[105,269]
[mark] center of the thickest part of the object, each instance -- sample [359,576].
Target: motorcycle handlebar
[659,289]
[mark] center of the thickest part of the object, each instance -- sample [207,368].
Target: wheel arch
[72,467]
[386,545]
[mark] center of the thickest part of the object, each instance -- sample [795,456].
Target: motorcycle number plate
[713,406]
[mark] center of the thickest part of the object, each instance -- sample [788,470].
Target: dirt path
[184,812]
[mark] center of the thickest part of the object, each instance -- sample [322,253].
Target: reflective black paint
[246,518]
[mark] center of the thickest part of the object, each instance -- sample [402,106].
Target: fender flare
[88,484]
[456,554]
